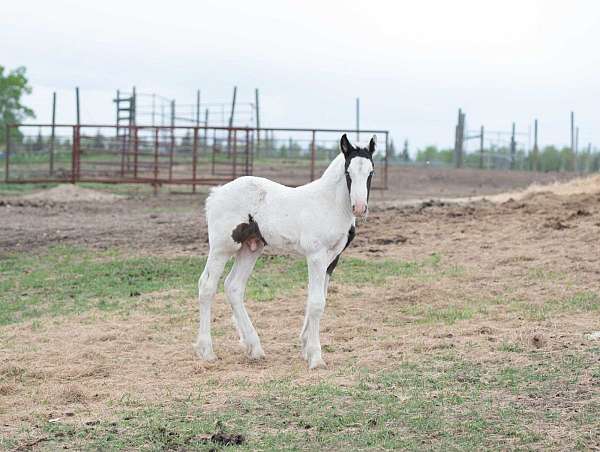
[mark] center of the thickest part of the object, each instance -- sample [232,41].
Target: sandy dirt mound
[589,185]
[70,193]
[581,186]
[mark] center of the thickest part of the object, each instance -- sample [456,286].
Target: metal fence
[42,153]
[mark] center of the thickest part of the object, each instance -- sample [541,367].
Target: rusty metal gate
[41,153]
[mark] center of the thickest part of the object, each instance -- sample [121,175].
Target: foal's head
[359,171]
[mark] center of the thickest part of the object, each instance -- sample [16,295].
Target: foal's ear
[345,145]
[372,144]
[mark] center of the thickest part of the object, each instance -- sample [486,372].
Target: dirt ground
[538,247]
[174,223]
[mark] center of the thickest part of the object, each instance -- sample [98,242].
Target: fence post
[246,172]
[313,156]
[535,162]
[195,154]
[204,151]
[135,152]
[214,151]
[234,153]
[459,139]
[74,155]
[231,118]
[253,149]
[172,147]
[156,146]
[572,140]
[52,136]
[386,163]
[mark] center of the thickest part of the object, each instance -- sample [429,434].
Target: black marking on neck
[351,234]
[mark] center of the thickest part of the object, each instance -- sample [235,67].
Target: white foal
[316,220]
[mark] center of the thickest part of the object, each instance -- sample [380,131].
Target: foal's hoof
[316,363]
[205,353]
[255,352]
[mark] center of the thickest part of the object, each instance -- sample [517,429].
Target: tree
[432,154]
[550,159]
[13,86]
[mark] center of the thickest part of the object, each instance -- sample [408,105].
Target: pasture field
[449,326]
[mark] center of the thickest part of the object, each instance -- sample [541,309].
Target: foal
[316,220]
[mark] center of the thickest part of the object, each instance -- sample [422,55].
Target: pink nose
[359,208]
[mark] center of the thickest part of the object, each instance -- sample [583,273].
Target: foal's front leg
[317,278]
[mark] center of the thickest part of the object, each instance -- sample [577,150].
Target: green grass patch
[22,189]
[68,280]
[577,303]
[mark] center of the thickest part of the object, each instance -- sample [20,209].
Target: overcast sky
[411,63]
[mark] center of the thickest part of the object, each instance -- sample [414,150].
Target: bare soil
[173,222]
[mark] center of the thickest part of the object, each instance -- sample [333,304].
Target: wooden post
[513,148]
[481,148]
[74,152]
[386,161]
[231,116]
[194,157]
[205,141]
[214,151]
[135,152]
[156,146]
[77,104]
[77,149]
[52,133]
[572,136]
[247,150]
[132,107]
[252,147]
[459,139]
[172,147]
[234,153]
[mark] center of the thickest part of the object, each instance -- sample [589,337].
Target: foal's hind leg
[207,287]
[235,287]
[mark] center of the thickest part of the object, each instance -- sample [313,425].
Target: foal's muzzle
[359,209]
